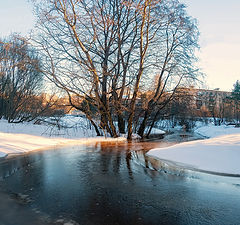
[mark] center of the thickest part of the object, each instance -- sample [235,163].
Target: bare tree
[174,61]
[20,79]
[102,51]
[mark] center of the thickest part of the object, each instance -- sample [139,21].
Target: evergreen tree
[236,91]
[235,96]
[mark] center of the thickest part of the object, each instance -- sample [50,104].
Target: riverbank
[69,130]
[218,154]
[25,137]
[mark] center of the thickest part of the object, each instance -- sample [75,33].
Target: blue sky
[15,16]
[219,23]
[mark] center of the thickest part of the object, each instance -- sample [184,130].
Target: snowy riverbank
[25,137]
[72,130]
[220,153]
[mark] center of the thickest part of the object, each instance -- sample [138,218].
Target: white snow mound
[220,154]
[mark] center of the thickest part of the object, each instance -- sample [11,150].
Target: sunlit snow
[25,137]
[221,153]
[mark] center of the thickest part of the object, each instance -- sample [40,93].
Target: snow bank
[211,131]
[157,131]
[25,137]
[134,136]
[154,131]
[220,154]
[20,143]
[77,128]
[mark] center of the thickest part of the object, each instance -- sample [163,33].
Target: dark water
[115,184]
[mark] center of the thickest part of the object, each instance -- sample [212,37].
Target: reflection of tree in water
[128,162]
[113,156]
[116,166]
[110,157]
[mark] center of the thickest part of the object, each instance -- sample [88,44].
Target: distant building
[210,98]
[205,103]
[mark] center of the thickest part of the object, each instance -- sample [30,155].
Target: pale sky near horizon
[219,22]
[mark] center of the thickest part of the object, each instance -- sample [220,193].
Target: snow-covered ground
[25,137]
[211,131]
[220,153]
[75,127]
[157,131]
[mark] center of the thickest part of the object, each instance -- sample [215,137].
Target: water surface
[108,183]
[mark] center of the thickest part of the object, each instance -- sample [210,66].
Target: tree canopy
[20,78]
[104,52]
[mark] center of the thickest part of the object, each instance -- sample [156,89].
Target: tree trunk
[121,124]
[143,124]
[104,124]
[95,126]
[152,124]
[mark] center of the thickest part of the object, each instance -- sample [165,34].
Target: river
[110,184]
